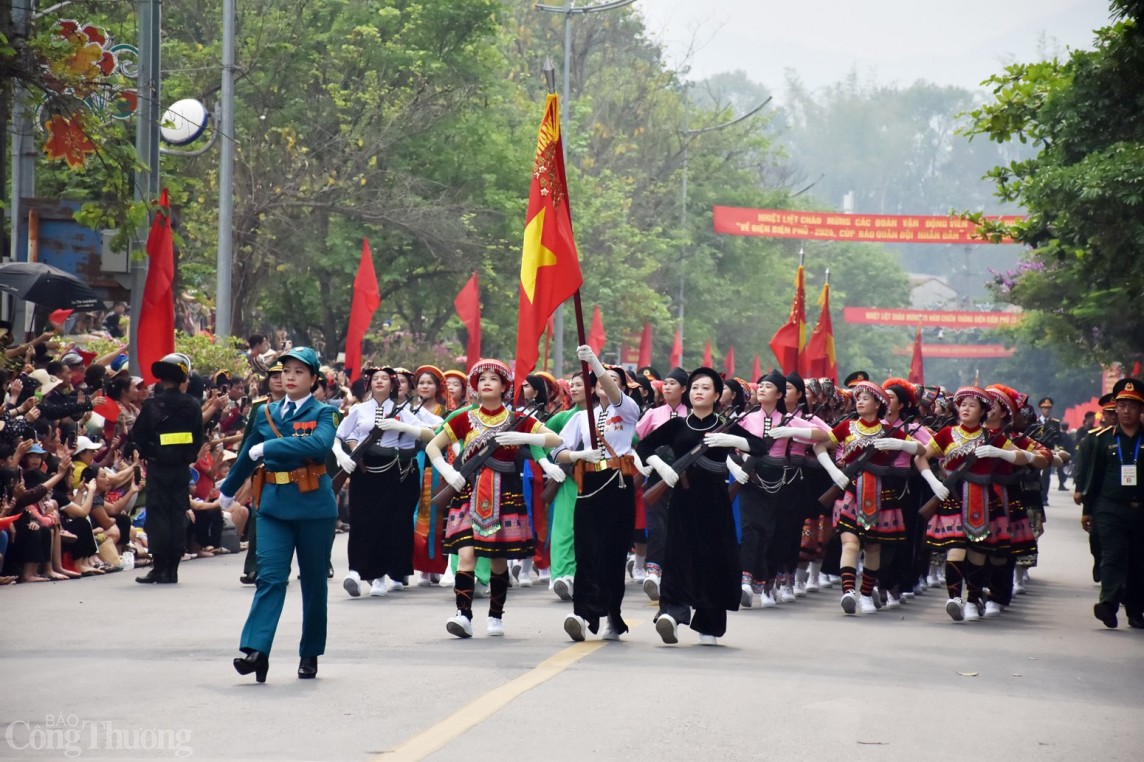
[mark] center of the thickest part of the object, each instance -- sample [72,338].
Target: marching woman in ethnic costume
[605,511]
[870,513]
[964,523]
[701,569]
[487,518]
[288,443]
[428,557]
[1007,478]
[815,526]
[385,488]
[562,510]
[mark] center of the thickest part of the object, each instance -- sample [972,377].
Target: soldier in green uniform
[1114,506]
[275,393]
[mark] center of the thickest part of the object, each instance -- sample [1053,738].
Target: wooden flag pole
[582,336]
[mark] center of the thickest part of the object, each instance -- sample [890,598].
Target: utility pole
[568,10]
[687,136]
[147,148]
[24,153]
[222,325]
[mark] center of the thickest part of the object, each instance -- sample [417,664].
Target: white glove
[666,472]
[889,443]
[592,456]
[345,462]
[989,451]
[255,452]
[401,427]
[836,475]
[791,432]
[552,471]
[585,353]
[449,474]
[939,489]
[726,440]
[738,473]
[225,502]
[520,439]
[645,471]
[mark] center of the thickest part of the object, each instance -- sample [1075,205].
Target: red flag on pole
[729,361]
[645,346]
[677,351]
[819,361]
[549,266]
[157,311]
[917,364]
[468,307]
[367,298]
[756,369]
[789,340]
[596,335]
[707,355]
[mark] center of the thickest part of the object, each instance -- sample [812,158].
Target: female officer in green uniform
[286,453]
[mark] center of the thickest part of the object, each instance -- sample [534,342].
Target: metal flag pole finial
[801,256]
[828,275]
[549,75]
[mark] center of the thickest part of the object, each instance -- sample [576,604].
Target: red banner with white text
[836,226]
[958,351]
[934,318]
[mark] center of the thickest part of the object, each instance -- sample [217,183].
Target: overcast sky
[892,41]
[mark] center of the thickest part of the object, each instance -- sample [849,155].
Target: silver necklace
[687,420]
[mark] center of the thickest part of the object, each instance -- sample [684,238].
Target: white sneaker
[514,572]
[972,612]
[525,580]
[460,626]
[494,627]
[877,599]
[894,602]
[850,602]
[377,588]
[651,587]
[766,600]
[834,579]
[563,588]
[920,588]
[395,585]
[992,609]
[800,589]
[812,585]
[481,591]
[352,584]
[667,628]
[866,605]
[786,594]
[746,596]
[543,574]
[448,578]
[609,632]
[708,640]
[956,609]
[423,580]
[1018,583]
[576,627]
[639,574]
[931,579]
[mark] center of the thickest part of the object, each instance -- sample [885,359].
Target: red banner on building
[958,351]
[836,226]
[935,318]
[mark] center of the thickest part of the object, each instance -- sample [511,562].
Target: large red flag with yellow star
[549,267]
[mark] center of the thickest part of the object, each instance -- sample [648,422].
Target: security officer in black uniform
[1047,431]
[168,435]
[1083,454]
[1114,506]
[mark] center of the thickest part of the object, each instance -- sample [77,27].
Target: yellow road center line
[469,716]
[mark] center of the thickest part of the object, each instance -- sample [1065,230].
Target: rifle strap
[270,420]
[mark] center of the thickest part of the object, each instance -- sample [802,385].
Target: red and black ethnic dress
[872,505]
[490,515]
[1008,481]
[973,516]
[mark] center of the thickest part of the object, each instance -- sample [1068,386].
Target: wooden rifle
[446,492]
[855,466]
[363,446]
[953,481]
[656,492]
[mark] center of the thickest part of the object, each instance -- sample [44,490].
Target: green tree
[1083,191]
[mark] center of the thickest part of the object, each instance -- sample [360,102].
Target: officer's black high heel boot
[308,667]
[256,662]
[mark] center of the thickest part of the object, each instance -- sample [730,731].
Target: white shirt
[361,419]
[619,427]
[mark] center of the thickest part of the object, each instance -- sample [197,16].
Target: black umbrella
[47,286]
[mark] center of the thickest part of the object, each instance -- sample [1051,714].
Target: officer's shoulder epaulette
[1102,430]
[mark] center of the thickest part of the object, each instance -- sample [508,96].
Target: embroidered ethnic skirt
[499,526]
[885,522]
[947,530]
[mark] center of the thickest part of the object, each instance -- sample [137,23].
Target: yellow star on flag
[536,255]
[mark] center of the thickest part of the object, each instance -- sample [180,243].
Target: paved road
[111,669]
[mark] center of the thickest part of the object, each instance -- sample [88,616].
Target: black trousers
[758,516]
[656,531]
[168,500]
[705,621]
[1121,531]
[603,523]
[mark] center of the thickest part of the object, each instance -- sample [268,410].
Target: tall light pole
[222,325]
[687,136]
[569,11]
